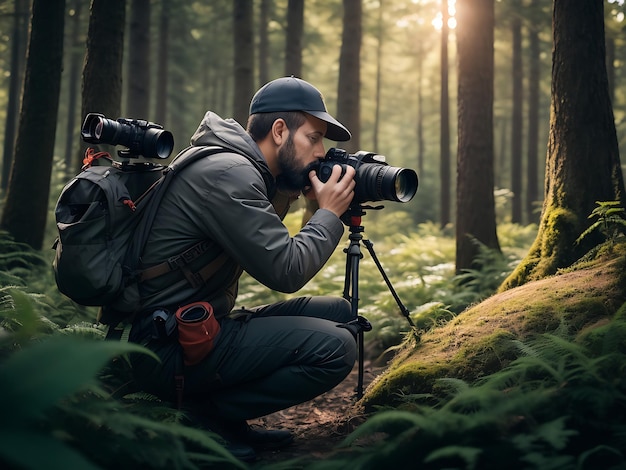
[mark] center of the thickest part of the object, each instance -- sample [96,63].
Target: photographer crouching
[259,360]
[222,215]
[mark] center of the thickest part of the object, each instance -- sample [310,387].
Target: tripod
[351,283]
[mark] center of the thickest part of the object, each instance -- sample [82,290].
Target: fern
[554,407]
[490,269]
[56,405]
[611,221]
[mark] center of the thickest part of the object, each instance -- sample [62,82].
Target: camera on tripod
[375,179]
[141,138]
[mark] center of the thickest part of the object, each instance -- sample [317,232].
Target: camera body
[375,179]
[140,137]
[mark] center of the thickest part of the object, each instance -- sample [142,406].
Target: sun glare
[437,22]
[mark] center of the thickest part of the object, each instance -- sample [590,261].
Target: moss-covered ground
[477,342]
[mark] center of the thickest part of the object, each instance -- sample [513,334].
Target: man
[268,358]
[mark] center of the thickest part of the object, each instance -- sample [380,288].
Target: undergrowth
[560,405]
[66,390]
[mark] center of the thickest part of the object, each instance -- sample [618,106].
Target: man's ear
[279,131]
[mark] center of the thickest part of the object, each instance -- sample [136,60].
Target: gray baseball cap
[295,94]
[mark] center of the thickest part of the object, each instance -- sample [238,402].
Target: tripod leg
[359,386]
[405,311]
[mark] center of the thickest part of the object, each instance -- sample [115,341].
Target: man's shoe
[238,449]
[257,438]
[241,451]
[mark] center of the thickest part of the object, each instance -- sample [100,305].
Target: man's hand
[336,194]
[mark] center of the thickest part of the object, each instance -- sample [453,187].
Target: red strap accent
[355,220]
[130,204]
[91,155]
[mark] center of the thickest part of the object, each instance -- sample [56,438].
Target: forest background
[405,108]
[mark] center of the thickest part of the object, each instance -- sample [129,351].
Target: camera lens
[157,144]
[377,182]
[405,185]
[97,129]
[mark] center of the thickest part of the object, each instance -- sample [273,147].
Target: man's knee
[348,348]
[335,309]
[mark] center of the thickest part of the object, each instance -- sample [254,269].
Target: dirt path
[320,424]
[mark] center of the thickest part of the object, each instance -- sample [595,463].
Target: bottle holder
[197,330]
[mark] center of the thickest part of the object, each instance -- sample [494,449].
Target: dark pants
[273,357]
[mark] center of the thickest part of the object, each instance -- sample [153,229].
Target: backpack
[104,216]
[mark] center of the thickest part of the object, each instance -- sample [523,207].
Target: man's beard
[292,177]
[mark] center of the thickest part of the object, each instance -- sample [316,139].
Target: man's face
[296,156]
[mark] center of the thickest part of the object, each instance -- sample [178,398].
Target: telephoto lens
[138,136]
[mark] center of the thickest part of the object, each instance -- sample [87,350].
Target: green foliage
[558,406]
[17,261]
[431,315]
[611,221]
[51,385]
[491,268]
[94,405]
[419,261]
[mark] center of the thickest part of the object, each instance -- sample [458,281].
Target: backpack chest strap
[182,261]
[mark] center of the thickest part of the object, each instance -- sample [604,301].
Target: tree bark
[19,37]
[475,201]
[160,114]
[138,68]
[532,172]
[244,59]
[380,36]
[583,164]
[444,132]
[76,56]
[516,119]
[264,42]
[293,42]
[348,90]
[26,205]
[102,71]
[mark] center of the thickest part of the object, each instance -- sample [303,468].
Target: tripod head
[352,217]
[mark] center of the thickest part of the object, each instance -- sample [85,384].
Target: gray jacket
[230,199]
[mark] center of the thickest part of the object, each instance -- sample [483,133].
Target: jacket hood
[228,133]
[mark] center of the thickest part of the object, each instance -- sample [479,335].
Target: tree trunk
[26,206]
[19,36]
[516,120]
[475,201]
[583,164]
[610,66]
[420,113]
[244,59]
[76,56]
[102,72]
[444,137]
[160,114]
[380,31]
[264,42]
[348,90]
[293,42]
[138,72]
[532,172]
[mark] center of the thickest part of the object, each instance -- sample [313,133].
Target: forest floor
[319,425]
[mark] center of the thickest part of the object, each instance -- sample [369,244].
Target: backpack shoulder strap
[192,154]
[183,159]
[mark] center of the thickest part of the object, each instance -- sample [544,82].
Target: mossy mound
[478,342]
